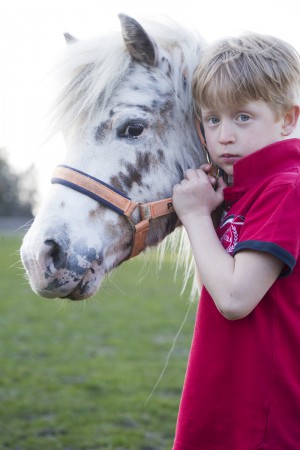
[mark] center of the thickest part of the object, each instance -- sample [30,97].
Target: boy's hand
[198,193]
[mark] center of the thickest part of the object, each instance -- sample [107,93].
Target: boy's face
[232,133]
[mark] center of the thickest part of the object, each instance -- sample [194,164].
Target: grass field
[76,376]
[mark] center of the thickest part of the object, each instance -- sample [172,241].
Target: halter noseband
[114,199]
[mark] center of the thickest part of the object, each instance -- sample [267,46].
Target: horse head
[126,113]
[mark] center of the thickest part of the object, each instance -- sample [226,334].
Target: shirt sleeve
[272,225]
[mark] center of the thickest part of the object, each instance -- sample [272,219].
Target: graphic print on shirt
[229,231]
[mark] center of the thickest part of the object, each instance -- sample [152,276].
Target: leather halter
[116,200]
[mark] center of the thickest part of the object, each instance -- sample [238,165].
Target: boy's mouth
[229,158]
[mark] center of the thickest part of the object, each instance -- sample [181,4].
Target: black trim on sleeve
[274,249]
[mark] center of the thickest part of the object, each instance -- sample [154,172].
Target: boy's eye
[213,120]
[243,117]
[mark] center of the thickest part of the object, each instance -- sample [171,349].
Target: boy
[242,387]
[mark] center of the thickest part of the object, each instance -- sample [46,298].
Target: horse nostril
[56,254]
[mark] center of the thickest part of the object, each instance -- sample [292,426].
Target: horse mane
[91,69]
[88,74]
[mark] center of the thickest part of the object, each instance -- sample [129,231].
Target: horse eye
[131,130]
[134,130]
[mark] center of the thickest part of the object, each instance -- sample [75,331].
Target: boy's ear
[290,120]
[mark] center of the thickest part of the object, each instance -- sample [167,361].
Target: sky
[31,37]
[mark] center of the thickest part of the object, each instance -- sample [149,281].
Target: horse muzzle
[54,270]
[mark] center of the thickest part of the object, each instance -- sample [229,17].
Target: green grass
[76,376]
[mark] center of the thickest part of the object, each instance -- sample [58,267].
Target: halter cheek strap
[215,171]
[116,200]
[200,132]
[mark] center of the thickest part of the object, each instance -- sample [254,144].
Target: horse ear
[70,39]
[138,43]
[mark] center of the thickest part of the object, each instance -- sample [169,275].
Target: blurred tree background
[18,191]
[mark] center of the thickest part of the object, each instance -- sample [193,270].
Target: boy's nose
[226,135]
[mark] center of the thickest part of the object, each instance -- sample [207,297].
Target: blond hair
[250,67]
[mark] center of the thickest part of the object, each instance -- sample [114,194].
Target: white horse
[126,112]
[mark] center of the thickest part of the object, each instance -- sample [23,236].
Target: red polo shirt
[242,387]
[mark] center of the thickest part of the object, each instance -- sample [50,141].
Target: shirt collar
[280,156]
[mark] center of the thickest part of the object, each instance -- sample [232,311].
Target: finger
[220,186]
[213,180]
[201,173]
[221,183]
[191,173]
[206,167]
[184,181]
